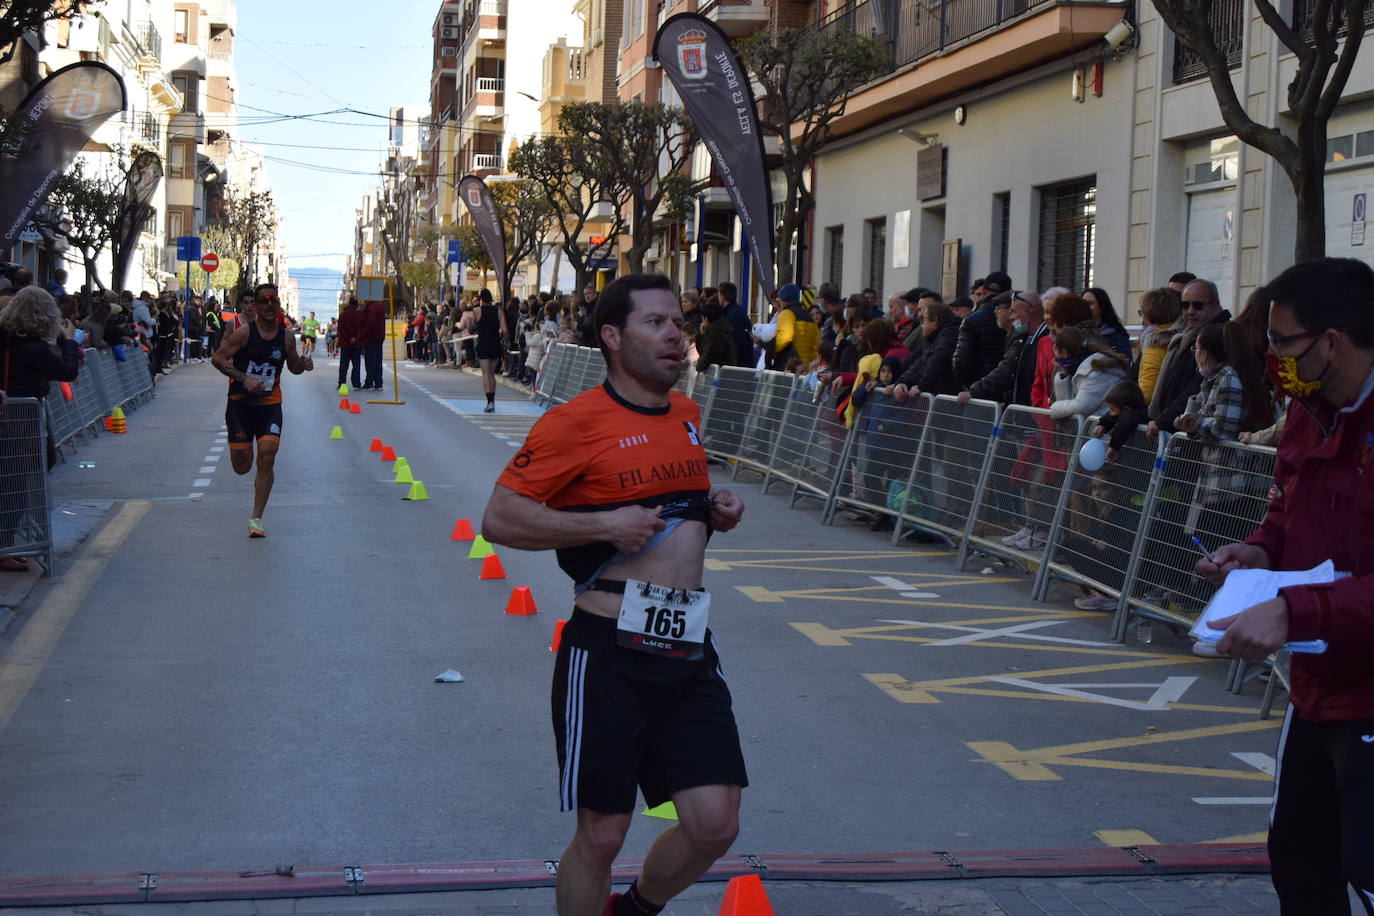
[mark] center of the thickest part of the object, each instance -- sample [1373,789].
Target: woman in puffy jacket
[1087,371]
[1160,310]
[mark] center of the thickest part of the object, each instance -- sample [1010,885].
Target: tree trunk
[1309,190]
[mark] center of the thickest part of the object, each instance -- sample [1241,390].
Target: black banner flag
[145,173]
[696,56]
[487,219]
[49,128]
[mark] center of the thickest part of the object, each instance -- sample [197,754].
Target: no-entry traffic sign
[209,263]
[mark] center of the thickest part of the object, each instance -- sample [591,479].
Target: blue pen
[1203,550]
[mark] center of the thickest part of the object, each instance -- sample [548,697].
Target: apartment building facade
[1022,141]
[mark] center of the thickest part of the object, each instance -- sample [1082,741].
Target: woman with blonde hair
[34,351]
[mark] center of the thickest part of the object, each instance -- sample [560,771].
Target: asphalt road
[183,697]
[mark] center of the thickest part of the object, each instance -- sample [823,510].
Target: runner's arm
[223,359]
[294,361]
[520,522]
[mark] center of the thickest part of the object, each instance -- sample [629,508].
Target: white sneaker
[1034,541]
[1012,540]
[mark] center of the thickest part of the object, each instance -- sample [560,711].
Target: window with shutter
[1068,230]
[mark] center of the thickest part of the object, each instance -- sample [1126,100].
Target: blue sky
[302,58]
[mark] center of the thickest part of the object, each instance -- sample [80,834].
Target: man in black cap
[982,341]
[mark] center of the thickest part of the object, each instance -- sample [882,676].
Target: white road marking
[216,448]
[1236,800]
[208,458]
[208,469]
[1018,631]
[1171,690]
[1262,762]
[201,482]
[906,591]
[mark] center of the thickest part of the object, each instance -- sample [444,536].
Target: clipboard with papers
[1245,588]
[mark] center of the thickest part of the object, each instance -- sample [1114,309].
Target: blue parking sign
[188,248]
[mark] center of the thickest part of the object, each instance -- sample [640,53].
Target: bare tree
[84,206]
[805,78]
[578,180]
[527,218]
[1324,65]
[20,16]
[648,148]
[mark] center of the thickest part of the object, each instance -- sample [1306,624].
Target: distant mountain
[319,287]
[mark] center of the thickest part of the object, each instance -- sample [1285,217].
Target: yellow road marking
[1125,838]
[1034,765]
[822,635]
[1260,837]
[21,665]
[758,593]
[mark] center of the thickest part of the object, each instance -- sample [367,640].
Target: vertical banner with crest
[485,217]
[145,174]
[51,125]
[697,57]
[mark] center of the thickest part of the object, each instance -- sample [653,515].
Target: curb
[355,880]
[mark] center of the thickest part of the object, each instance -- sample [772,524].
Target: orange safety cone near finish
[744,896]
[376,446]
[521,603]
[557,635]
[491,567]
[354,408]
[117,422]
[343,404]
[462,531]
[388,453]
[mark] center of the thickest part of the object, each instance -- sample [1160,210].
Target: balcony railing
[492,8]
[486,161]
[151,40]
[491,84]
[145,125]
[922,27]
[1227,18]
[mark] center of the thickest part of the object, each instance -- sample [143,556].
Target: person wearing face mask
[1321,354]
[1178,376]
[1000,384]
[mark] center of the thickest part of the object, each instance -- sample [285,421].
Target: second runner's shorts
[247,421]
[624,719]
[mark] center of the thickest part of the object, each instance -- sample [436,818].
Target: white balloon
[1092,455]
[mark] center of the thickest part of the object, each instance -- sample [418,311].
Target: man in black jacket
[1179,378]
[982,341]
[1019,316]
[738,319]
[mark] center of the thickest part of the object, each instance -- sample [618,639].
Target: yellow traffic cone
[336,433]
[403,474]
[417,491]
[343,390]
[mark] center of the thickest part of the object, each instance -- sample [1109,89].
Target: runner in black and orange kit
[616,482]
[252,356]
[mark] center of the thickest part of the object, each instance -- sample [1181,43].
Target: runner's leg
[262,485]
[489,380]
[584,872]
[708,821]
[240,442]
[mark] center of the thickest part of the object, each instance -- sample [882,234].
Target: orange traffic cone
[491,567]
[354,408]
[744,896]
[388,453]
[557,635]
[343,404]
[521,602]
[109,425]
[376,446]
[462,531]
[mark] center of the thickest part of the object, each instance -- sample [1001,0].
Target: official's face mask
[1283,372]
[1065,363]
[1019,326]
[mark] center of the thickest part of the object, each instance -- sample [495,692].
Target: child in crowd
[1126,410]
[1101,531]
[825,353]
[1233,397]
[885,456]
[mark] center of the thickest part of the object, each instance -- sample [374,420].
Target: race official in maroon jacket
[1321,354]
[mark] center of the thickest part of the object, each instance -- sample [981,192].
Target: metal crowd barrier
[25,502]
[103,384]
[979,475]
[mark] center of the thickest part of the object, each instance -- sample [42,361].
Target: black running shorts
[247,421]
[489,348]
[624,718]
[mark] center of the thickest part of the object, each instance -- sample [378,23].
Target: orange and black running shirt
[262,359]
[599,452]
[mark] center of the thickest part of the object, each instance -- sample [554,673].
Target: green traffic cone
[343,390]
[480,548]
[403,475]
[336,433]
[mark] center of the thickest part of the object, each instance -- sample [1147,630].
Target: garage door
[1208,253]
[1342,231]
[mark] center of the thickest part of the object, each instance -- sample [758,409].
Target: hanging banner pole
[714,86]
[487,219]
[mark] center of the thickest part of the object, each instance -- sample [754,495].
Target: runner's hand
[629,528]
[251,385]
[726,510]
[307,363]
